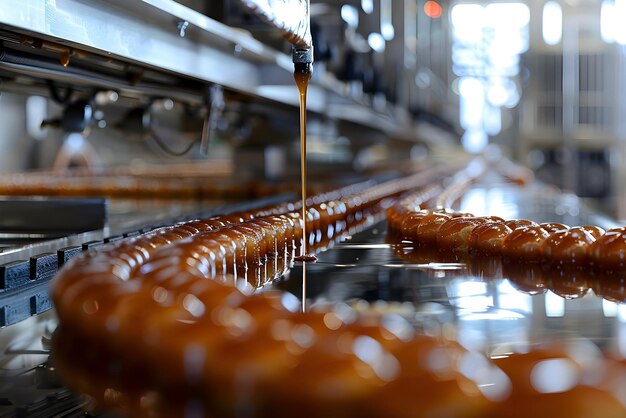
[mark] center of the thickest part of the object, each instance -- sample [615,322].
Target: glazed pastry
[546,382]
[427,228]
[517,240]
[595,231]
[524,243]
[453,235]
[169,295]
[519,223]
[608,252]
[488,238]
[568,246]
[553,226]
[410,222]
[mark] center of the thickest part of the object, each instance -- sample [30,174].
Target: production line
[289,207]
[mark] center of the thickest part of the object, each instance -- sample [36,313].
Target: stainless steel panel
[147,33]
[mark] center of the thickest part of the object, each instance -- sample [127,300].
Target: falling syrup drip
[302,76]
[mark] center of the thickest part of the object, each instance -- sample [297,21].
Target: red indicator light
[433,9]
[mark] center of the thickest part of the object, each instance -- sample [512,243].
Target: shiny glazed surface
[472,315]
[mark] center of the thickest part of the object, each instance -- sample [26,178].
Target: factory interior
[313,208]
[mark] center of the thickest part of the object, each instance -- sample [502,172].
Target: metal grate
[549,76]
[593,86]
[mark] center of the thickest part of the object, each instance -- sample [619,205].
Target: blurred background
[394,80]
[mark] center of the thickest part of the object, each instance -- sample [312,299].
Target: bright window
[487,42]
[607,21]
[552,23]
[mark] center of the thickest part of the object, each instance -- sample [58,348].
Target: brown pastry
[524,243]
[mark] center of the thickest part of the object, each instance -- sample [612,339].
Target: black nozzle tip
[302,55]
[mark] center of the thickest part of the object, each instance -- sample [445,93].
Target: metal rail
[148,34]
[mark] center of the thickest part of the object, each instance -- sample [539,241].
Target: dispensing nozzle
[302,59]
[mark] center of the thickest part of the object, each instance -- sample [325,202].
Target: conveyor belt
[369,273]
[25,273]
[488,312]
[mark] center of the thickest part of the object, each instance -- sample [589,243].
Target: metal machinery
[206,88]
[154,90]
[150,51]
[161,87]
[572,122]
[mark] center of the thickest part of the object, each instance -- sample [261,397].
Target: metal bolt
[182,27]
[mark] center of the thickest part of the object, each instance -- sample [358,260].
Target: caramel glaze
[129,187]
[553,226]
[521,244]
[302,76]
[525,243]
[569,246]
[568,261]
[175,293]
[552,395]
[609,250]
[453,235]
[515,240]
[170,294]
[488,237]
[427,228]
[519,223]
[410,223]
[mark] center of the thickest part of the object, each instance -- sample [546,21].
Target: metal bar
[97,80]
[571,105]
[146,33]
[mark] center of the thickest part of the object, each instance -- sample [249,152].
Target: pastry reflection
[611,287]
[568,280]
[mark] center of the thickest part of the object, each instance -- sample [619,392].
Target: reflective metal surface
[487,307]
[147,33]
[292,17]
